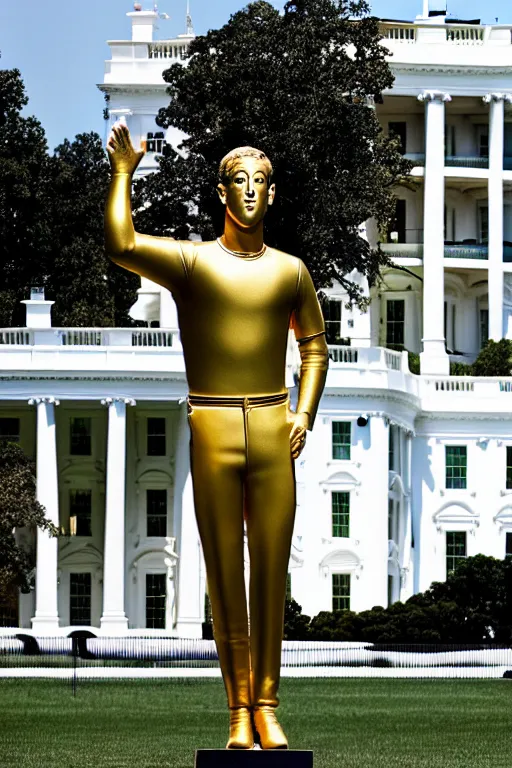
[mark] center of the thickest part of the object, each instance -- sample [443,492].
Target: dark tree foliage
[51,222]
[25,238]
[18,509]
[296,86]
[495,359]
[89,290]
[474,605]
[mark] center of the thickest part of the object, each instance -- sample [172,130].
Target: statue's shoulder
[286,259]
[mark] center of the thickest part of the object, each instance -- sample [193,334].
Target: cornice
[464,416]
[84,379]
[449,69]
[132,87]
[403,398]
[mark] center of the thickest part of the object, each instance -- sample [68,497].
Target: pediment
[86,556]
[341,558]
[456,513]
[504,518]
[156,477]
[340,481]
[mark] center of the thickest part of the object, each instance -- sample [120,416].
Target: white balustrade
[16,336]
[470,35]
[152,338]
[167,50]
[402,34]
[393,360]
[344,355]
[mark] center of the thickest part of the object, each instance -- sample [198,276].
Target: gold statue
[236,300]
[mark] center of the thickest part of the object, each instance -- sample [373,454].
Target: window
[456,466]
[483,142]
[508,544]
[394,448]
[155,142]
[450,146]
[340,503]
[288,586]
[398,224]
[331,310]
[390,589]
[80,509]
[80,436]
[399,131]
[455,549]
[155,600]
[156,442]
[395,324]
[509,466]
[156,512]
[483,224]
[341,592]
[341,440]
[484,327]
[9,430]
[80,599]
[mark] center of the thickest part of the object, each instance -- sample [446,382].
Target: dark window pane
[80,513]
[155,600]
[509,466]
[399,131]
[395,324]
[80,599]
[80,436]
[331,310]
[341,514]
[156,512]
[456,549]
[341,439]
[156,444]
[10,430]
[508,544]
[456,466]
[341,592]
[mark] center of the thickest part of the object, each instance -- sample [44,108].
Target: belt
[238,402]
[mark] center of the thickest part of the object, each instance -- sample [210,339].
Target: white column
[191,583]
[434,359]
[114,618]
[496,143]
[46,617]
[407,569]
[373,495]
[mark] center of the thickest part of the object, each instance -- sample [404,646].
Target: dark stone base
[253,758]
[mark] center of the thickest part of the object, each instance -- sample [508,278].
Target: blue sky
[60,46]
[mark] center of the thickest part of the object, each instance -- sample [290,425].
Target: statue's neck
[242,240]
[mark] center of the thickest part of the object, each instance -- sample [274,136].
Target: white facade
[402,473]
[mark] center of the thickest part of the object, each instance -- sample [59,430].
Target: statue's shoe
[240,729]
[270,733]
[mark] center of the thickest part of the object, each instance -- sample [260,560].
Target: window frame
[393,325]
[155,516]
[149,575]
[453,557]
[451,481]
[508,467]
[158,435]
[80,622]
[343,580]
[341,529]
[87,515]
[12,437]
[72,420]
[346,445]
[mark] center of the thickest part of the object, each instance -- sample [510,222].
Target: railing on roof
[17,336]
[167,50]
[368,357]
[403,34]
[467,35]
[459,161]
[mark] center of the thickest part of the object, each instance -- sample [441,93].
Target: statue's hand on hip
[299,426]
[122,155]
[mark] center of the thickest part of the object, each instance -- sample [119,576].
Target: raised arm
[157,258]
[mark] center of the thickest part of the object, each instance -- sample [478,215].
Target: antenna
[190,26]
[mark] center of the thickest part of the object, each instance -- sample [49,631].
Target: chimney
[39,311]
[144,23]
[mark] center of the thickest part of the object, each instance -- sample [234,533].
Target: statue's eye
[239,180]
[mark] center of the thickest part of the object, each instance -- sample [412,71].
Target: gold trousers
[242,468]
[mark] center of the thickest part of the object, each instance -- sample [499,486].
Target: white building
[402,474]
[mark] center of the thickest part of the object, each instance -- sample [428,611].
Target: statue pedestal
[253,758]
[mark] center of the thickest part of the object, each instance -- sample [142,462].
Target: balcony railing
[466,251]
[459,161]
[403,250]
[167,50]
[403,34]
[467,35]
[377,358]
[90,337]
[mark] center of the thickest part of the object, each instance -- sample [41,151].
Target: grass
[348,723]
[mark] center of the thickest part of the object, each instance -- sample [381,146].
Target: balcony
[452,250]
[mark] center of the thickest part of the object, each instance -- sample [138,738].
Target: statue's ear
[221,191]
[271,194]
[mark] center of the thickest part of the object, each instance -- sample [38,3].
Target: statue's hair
[229,161]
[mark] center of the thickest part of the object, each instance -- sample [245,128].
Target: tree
[296,86]
[51,222]
[88,288]
[19,508]
[24,233]
[495,359]
[296,624]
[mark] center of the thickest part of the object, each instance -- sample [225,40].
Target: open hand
[300,423]
[123,157]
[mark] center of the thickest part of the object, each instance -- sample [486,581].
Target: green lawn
[348,723]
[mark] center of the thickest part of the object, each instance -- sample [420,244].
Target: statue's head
[245,186]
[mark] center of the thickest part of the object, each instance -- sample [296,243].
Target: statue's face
[248,194]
